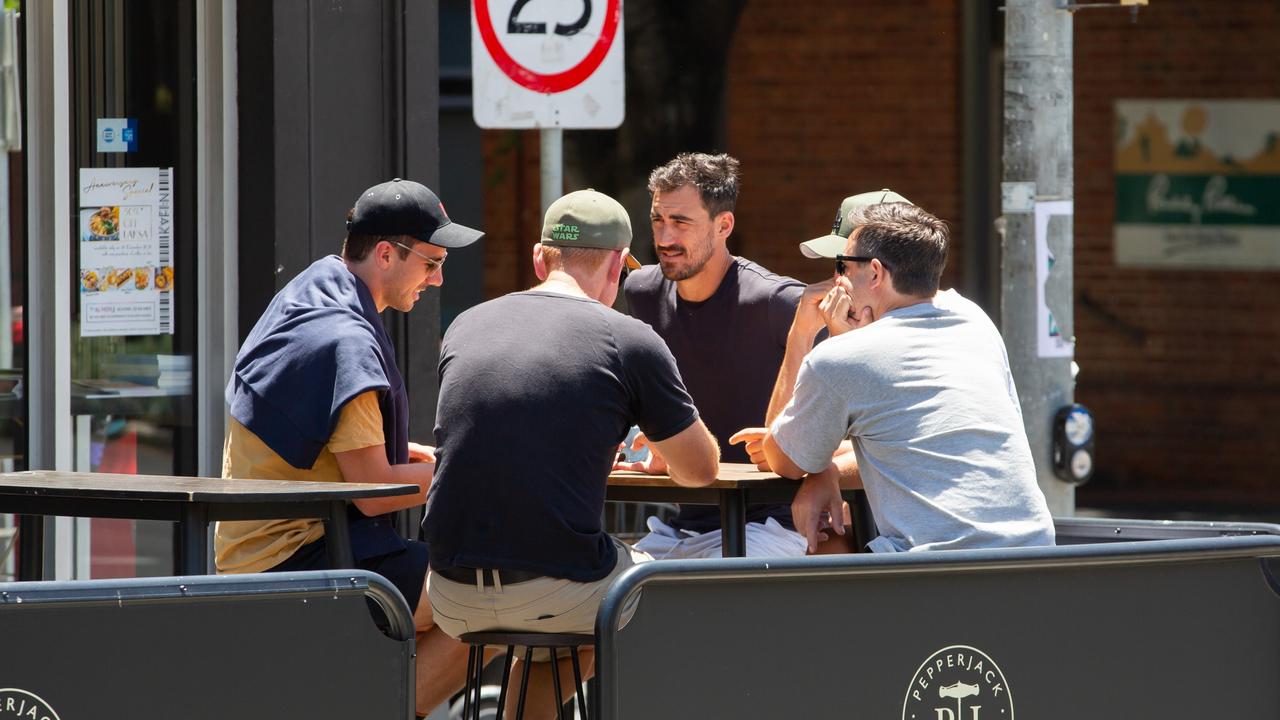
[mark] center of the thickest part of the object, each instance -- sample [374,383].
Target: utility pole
[1036,272]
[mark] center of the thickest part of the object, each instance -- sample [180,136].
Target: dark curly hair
[715,176]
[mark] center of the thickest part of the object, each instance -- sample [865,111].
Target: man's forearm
[799,343]
[847,465]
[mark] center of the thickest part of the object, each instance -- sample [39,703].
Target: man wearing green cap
[918,379]
[537,390]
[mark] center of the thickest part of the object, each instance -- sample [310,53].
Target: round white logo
[958,683]
[15,703]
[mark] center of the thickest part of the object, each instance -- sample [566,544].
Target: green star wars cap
[828,246]
[589,219]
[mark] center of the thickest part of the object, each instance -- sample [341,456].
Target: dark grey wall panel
[290,159]
[351,100]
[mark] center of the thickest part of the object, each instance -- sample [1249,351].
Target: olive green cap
[828,246]
[588,219]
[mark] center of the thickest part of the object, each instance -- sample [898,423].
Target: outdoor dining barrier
[300,645]
[1169,629]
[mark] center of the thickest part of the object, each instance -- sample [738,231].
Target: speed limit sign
[547,63]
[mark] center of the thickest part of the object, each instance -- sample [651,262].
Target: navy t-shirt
[536,391]
[728,348]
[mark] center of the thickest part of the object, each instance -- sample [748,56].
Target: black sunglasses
[842,259]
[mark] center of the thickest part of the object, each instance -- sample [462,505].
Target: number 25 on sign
[547,63]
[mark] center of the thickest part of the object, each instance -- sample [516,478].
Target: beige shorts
[549,605]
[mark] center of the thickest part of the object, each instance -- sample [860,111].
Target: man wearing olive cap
[918,379]
[316,395]
[537,389]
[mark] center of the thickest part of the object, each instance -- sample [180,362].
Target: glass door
[133,317]
[13,263]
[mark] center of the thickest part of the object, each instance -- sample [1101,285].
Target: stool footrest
[527,638]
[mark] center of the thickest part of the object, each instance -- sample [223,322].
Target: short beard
[695,263]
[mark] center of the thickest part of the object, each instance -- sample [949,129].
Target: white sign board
[126,251]
[1050,341]
[547,63]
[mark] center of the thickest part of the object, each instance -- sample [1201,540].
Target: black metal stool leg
[555,682]
[524,682]
[506,677]
[466,692]
[577,687]
[475,707]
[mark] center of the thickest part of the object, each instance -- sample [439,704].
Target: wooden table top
[52,483]
[731,475]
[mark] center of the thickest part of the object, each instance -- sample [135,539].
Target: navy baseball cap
[404,207]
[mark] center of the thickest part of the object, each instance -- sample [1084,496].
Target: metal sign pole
[552,162]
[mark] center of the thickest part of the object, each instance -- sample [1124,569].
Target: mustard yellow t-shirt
[246,546]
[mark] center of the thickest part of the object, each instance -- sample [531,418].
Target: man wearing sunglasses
[316,395]
[919,381]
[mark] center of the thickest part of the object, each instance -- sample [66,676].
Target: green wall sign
[1197,183]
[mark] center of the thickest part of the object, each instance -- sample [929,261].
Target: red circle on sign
[540,82]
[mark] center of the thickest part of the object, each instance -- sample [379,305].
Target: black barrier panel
[252,646]
[1167,629]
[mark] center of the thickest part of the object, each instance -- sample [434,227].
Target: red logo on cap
[442,212]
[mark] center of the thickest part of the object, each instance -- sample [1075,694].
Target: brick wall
[1181,367]
[828,98]
[512,213]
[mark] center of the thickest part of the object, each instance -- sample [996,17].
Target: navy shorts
[406,569]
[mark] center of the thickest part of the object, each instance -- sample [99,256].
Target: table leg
[864,522]
[193,545]
[337,537]
[733,523]
[30,547]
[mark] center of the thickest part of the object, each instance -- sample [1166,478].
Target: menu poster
[126,251]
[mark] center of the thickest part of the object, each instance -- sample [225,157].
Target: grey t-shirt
[926,395]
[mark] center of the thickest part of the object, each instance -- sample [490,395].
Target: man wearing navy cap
[316,395]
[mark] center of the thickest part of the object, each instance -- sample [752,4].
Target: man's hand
[838,312]
[808,320]
[754,439]
[819,496]
[421,453]
[653,464]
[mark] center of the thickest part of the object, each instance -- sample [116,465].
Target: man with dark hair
[919,380]
[725,319]
[537,389]
[316,395]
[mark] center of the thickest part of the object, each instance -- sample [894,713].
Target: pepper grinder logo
[958,683]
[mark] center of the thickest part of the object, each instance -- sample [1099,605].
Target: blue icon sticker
[117,135]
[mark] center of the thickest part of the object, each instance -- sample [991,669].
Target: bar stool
[529,641]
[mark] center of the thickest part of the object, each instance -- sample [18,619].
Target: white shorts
[545,604]
[766,539]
